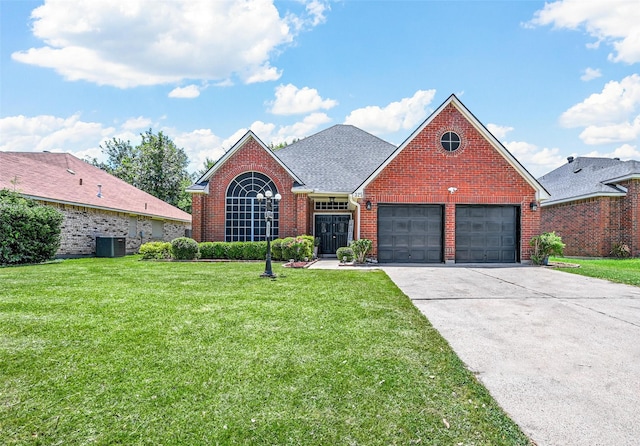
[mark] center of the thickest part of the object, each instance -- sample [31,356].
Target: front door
[333,231]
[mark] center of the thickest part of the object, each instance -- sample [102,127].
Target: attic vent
[570,159]
[71,171]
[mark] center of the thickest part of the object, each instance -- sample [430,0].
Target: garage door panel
[486,234]
[410,233]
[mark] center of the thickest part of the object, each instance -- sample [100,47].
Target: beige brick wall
[81,226]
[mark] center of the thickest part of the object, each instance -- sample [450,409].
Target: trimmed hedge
[233,250]
[184,248]
[30,232]
[155,250]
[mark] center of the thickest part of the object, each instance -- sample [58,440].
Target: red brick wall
[209,210]
[590,227]
[423,171]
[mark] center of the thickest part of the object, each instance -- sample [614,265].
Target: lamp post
[268,216]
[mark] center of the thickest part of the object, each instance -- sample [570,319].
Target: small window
[450,141]
[133,226]
[157,229]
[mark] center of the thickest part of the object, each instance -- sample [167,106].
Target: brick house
[594,204]
[450,193]
[93,202]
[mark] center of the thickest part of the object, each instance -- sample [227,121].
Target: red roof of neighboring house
[63,178]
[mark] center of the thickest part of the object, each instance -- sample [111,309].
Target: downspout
[357,205]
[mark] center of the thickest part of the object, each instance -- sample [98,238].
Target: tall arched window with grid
[244,213]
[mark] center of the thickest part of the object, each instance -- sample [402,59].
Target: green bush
[155,250]
[361,248]
[297,248]
[206,250]
[30,232]
[184,248]
[276,249]
[545,245]
[255,250]
[345,253]
[235,250]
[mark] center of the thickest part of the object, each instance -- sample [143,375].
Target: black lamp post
[268,216]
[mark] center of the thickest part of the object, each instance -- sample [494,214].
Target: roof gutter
[104,208]
[582,197]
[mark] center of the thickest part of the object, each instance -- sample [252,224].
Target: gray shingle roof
[586,177]
[337,159]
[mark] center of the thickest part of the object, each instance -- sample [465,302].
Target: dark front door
[333,231]
[486,234]
[410,233]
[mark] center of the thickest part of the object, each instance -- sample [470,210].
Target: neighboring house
[594,204]
[450,192]
[94,203]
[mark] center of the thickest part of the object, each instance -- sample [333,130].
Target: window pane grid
[244,213]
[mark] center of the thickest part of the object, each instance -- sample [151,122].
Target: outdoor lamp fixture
[368,205]
[268,217]
[534,206]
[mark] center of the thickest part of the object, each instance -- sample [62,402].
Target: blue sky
[550,80]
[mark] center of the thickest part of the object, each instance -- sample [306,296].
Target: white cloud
[614,133]
[291,100]
[613,21]
[143,42]
[404,114]
[590,74]
[199,145]
[624,152]
[499,131]
[188,92]
[53,134]
[617,102]
[536,160]
[137,123]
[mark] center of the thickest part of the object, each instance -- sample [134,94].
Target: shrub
[255,251]
[545,245]
[155,250]
[184,248]
[361,248]
[276,249]
[206,250]
[30,232]
[297,248]
[345,254]
[621,250]
[235,250]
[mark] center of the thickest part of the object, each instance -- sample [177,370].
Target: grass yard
[615,270]
[119,351]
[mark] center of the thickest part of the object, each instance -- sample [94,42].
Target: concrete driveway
[559,352]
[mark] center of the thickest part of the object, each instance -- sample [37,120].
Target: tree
[122,159]
[163,167]
[156,166]
[207,164]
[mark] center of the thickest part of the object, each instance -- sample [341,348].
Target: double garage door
[414,234]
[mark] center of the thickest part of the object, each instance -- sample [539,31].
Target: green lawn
[119,351]
[616,270]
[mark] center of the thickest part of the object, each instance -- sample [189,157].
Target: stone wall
[81,226]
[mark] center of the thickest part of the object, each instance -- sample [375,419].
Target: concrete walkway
[559,352]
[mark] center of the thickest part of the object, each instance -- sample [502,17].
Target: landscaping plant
[184,248]
[545,245]
[345,254]
[361,248]
[29,232]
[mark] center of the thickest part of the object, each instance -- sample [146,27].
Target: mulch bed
[299,264]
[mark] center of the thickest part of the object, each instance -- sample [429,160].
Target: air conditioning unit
[111,246]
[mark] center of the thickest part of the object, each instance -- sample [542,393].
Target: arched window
[245,214]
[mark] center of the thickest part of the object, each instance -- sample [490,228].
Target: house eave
[105,208]
[582,197]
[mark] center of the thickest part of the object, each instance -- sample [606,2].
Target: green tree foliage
[29,232]
[156,166]
[207,164]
